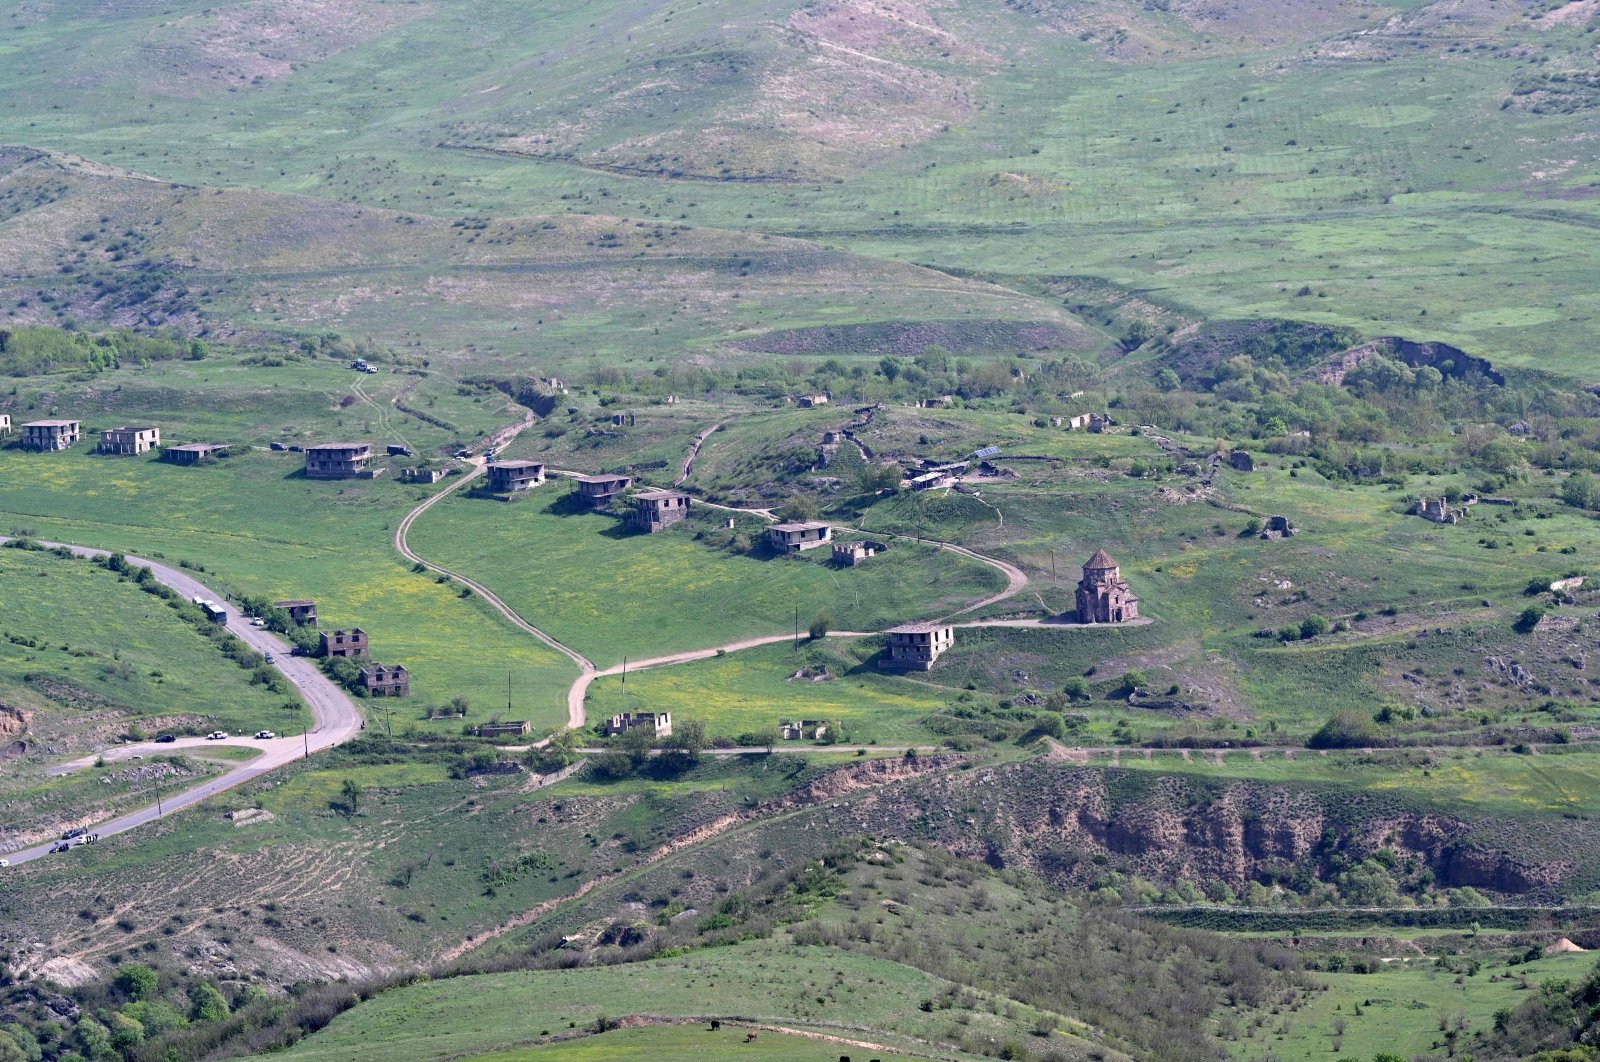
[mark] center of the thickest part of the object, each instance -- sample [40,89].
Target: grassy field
[1401,1007]
[763,980]
[613,594]
[674,1043]
[752,691]
[1140,146]
[255,525]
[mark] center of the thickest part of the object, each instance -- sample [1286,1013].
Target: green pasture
[613,594]
[767,980]
[752,691]
[254,524]
[1400,1007]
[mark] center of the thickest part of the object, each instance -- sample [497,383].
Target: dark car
[70,834]
[166,739]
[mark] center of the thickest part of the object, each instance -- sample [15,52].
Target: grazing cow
[715,1025]
[749,1036]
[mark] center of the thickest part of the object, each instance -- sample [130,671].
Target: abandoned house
[50,435]
[513,477]
[380,681]
[337,460]
[624,420]
[598,492]
[932,480]
[352,642]
[658,723]
[505,728]
[1095,422]
[303,613]
[1440,511]
[653,510]
[812,401]
[421,475]
[805,728]
[190,453]
[937,402]
[129,440]
[1278,527]
[851,554]
[1104,596]
[915,646]
[1242,461]
[793,538]
[5,423]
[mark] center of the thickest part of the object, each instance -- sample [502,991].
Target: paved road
[337,719]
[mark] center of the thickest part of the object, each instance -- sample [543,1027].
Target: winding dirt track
[586,668]
[578,692]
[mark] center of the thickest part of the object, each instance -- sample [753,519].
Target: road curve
[575,710]
[336,717]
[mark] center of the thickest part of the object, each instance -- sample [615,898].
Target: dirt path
[575,714]
[694,452]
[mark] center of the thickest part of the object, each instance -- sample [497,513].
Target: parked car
[257,621]
[217,735]
[5,862]
[70,834]
[265,735]
[166,739]
[271,659]
[59,846]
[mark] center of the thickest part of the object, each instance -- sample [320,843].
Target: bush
[1528,620]
[1345,730]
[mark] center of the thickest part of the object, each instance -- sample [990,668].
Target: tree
[1581,490]
[1076,688]
[137,981]
[819,626]
[1167,380]
[1528,620]
[206,1003]
[688,737]
[350,791]
[1132,681]
[458,705]
[871,478]
[800,508]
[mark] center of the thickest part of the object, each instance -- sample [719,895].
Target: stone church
[1104,596]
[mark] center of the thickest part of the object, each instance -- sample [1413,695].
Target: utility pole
[158,800]
[624,684]
[797,628]
[305,735]
[508,691]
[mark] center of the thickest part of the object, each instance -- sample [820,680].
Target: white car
[265,735]
[217,735]
[271,659]
[5,862]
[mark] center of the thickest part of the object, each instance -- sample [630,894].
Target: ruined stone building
[51,435]
[653,510]
[352,642]
[380,681]
[598,492]
[513,477]
[915,646]
[126,441]
[304,613]
[337,460]
[1104,596]
[658,723]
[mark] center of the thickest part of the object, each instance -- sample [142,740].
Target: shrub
[1344,730]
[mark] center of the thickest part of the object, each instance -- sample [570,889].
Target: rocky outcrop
[1450,361]
[1072,824]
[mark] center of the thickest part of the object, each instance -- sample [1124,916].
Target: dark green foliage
[1345,730]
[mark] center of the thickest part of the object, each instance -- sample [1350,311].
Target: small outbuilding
[852,554]
[193,453]
[5,423]
[504,728]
